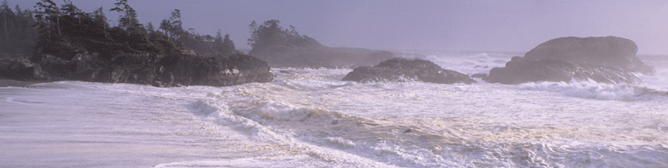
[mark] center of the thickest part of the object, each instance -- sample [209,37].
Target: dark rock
[215,71]
[607,51]
[400,68]
[602,59]
[522,70]
[479,75]
[172,70]
[20,69]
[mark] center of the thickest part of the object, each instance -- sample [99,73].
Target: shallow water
[309,118]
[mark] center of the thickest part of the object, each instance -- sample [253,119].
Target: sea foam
[594,90]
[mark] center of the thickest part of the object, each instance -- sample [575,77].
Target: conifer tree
[5,10]
[129,19]
[101,18]
[45,14]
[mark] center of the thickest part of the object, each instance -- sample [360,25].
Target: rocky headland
[601,59]
[401,69]
[172,70]
[74,45]
[286,48]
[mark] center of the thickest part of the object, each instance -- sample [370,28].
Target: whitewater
[310,118]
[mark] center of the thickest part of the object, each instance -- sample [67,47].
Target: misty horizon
[515,26]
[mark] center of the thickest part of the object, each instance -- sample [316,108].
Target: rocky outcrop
[319,56]
[398,69]
[20,69]
[602,59]
[214,71]
[172,70]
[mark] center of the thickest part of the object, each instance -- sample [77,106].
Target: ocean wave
[309,129]
[594,90]
[286,126]
[471,63]
[344,139]
[313,115]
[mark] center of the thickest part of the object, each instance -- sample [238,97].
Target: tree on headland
[101,18]
[73,13]
[173,26]
[5,7]
[77,45]
[45,10]
[176,26]
[285,47]
[67,31]
[201,44]
[49,14]
[270,33]
[226,42]
[63,30]
[129,20]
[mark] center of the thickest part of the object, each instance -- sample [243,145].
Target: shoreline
[18,83]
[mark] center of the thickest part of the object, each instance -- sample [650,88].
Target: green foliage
[64,31]
[208,45]
[67,31]
[271,34]
[129,19]
[282,47]
[201,44]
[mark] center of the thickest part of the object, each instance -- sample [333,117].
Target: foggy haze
[427,83]
[516,25]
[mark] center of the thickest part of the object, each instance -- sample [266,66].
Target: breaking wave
[595,90]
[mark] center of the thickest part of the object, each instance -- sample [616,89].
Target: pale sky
[480,25]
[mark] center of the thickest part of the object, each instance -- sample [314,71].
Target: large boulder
[602,59]
[398,69]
